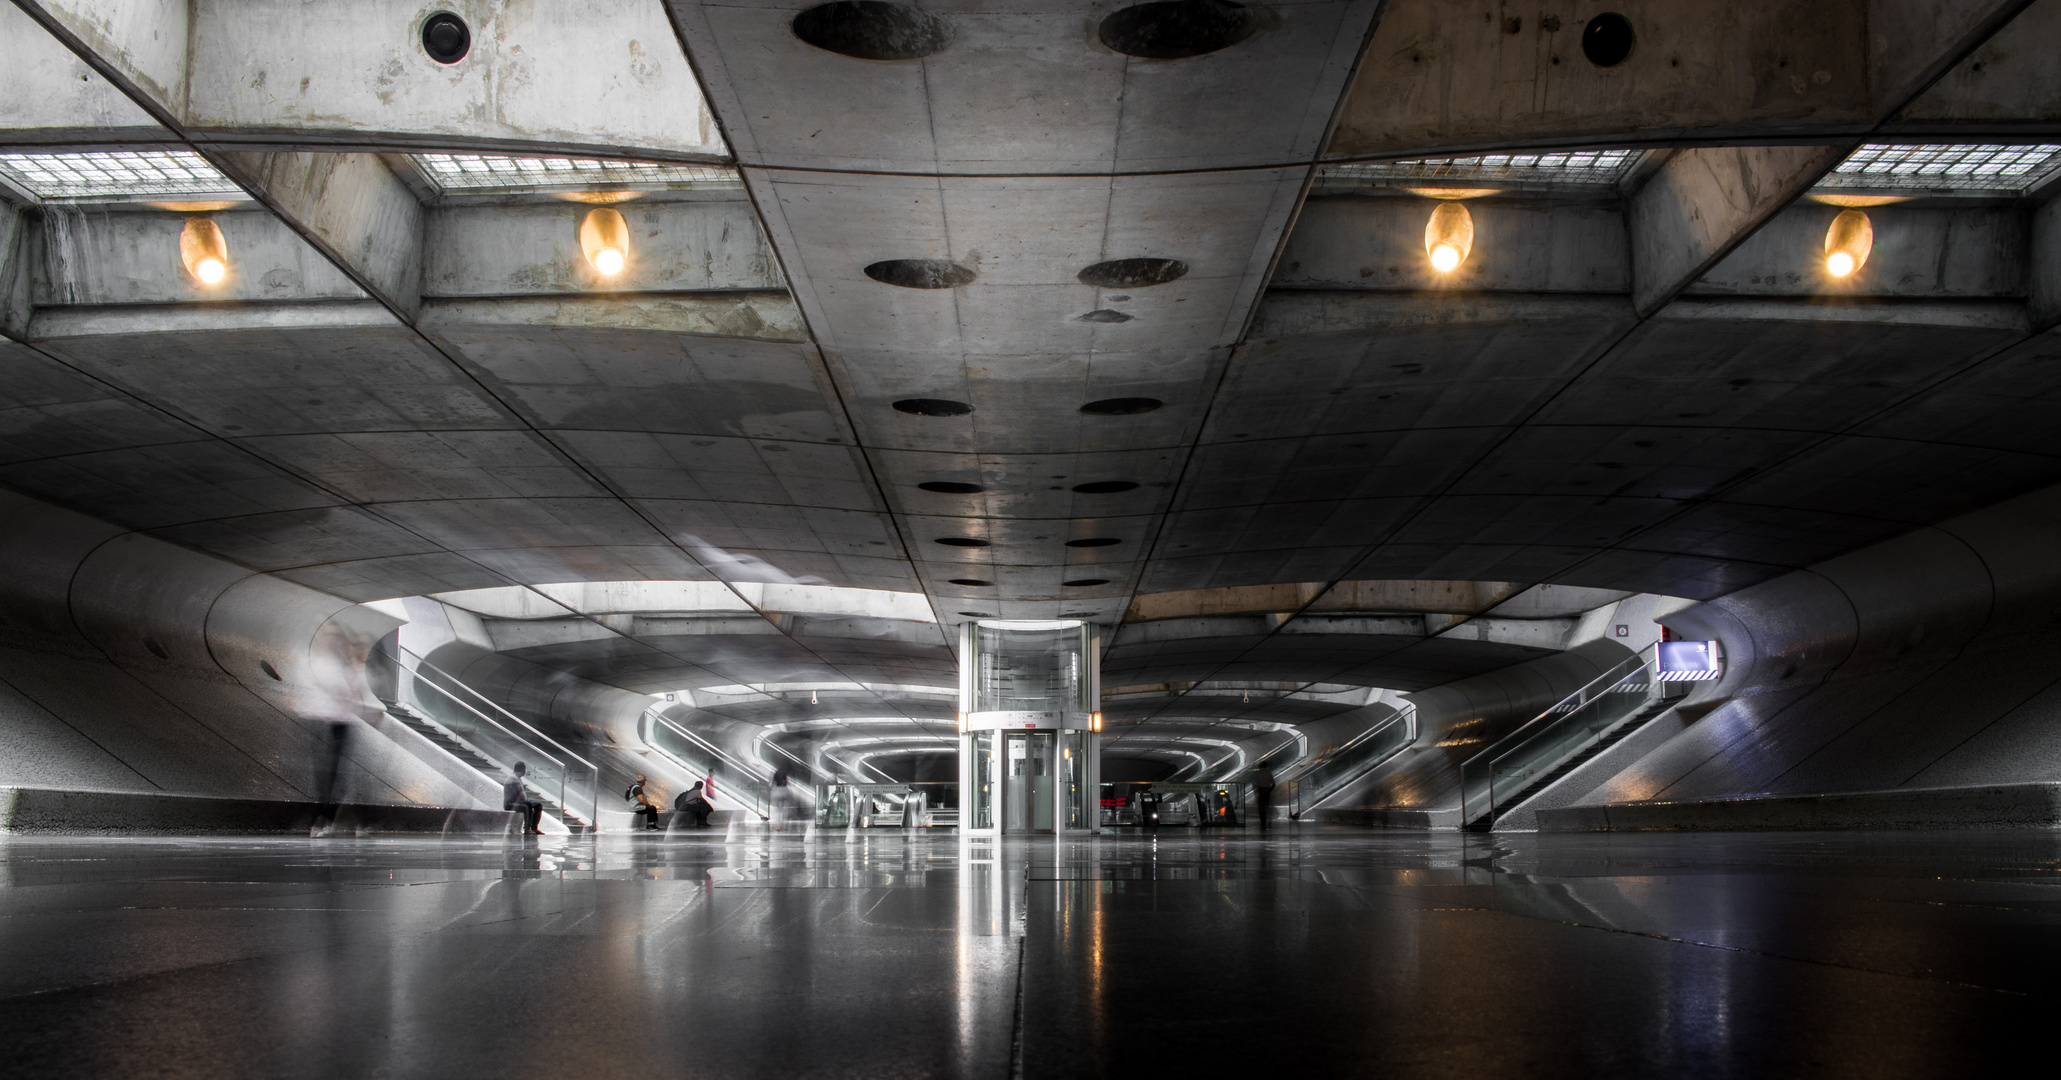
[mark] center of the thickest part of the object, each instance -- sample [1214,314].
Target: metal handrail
[1545,724]
[1406,716]
[414,664]
[756,805]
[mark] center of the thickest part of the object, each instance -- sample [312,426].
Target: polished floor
[1310,953]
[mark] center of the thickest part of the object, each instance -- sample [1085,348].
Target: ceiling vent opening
[1106,487]
[1608,39]
[975,614]
[445,38]
[920,273]
[1104,315]
[271,672]
[949,487]
[1121,406]
[962,541]
[1094,541]
[930,406]
[873,30]
[156,649]
[1086,581]
[1132,273]
[1178,29]
[970,582]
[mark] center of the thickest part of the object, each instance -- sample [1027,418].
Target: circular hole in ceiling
[873,30]
[1104,315]
[962,541]
[1132,273]
[930,406]
[156,649]
[1120,406]
[1105,487]
[1608,39]
[1178,29]
[920,273]
[948,487]
[271,672]
[445,38]
[1077,582]
[1094,541]
[971,582]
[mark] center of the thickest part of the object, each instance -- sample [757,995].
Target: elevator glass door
[1027,764]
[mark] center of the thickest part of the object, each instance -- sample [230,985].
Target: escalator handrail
[1615,674]
[1350,779]
[420,662]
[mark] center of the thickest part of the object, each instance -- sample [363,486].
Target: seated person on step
[513,797]
[641,803]
[694,801]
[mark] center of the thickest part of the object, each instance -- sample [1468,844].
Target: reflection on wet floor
[875,953]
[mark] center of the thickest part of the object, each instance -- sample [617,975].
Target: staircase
[475,759]
[1581,757]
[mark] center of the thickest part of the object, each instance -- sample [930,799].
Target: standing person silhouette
[1263,793]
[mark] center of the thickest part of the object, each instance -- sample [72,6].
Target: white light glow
[211,271]
[1839,264]
[1445,258]
[609,261]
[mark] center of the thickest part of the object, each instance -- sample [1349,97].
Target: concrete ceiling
[1643,386]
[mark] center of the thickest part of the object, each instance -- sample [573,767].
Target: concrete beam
[15,306]
[2043,273]
[138,46]
[351,207]
[2010,84]
[1704,202]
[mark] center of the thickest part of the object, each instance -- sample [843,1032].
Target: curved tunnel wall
[131,665]
[1931,660]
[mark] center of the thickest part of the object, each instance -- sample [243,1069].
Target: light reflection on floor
[1330,952]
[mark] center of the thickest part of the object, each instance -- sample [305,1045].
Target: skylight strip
[1553,166]
[142,173]
[482,172]
[1954,167]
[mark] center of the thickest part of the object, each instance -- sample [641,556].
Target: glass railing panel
[701,758]
[568,784]
[1335,770]
[1504,770]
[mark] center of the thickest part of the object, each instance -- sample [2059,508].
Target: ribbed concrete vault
[1635,387]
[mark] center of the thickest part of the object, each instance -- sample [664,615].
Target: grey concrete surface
[32,811]
[1346,953]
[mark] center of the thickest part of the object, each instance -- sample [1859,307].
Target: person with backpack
[694,803]
[641,803]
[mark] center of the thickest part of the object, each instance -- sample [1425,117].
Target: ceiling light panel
[99,174]
[1967,167]
[1556,167]
[489,172]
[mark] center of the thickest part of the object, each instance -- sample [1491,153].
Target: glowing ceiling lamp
[1848,242]
[1449,236]
[605,238]
[204,251]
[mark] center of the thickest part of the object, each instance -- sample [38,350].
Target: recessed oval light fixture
[204,251]
[1086,581]
[1449,236]
[1121,406]
[1848,242]
[1106,487]
[962,541]
[920,273]
[873,30]
[1177,29]
[1104,315]
[1132,273]
[605,240]
[1094,541]
[930,406]
[1608,39]
[949,487]
[970,582]
[446,38]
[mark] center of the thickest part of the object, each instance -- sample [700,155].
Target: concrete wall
[1925,662]
[131,665]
